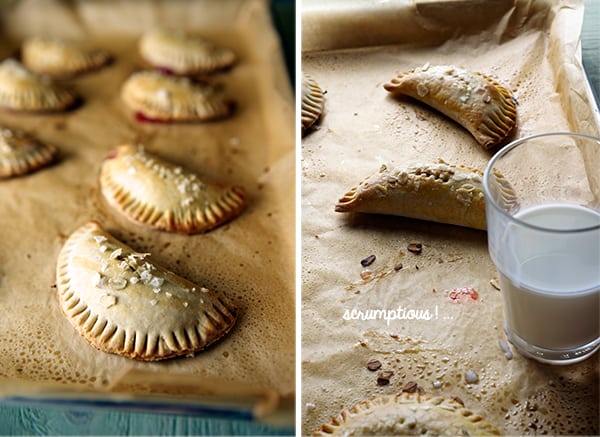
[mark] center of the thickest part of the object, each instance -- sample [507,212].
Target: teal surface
[21,420]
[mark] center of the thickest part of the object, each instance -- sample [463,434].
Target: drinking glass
[543,218]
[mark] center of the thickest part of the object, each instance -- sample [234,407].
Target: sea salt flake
[117,283]
[156,282]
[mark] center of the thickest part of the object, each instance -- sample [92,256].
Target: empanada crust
[22,90]
[407,414]
[437,192]
[60,58]
[312,102]
[154,192]
[184,54]
[475,101]
[161,97]
[21,153]
[124,303]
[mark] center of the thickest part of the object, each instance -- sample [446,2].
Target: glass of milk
[543,218]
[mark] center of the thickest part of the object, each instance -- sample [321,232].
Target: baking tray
[251,372]
[351,49]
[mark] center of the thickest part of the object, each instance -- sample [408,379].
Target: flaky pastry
[437,192]
[477,102]
[312,102]
[21,153]
[124,303]
[162,97]
[23,90]
[182,53]
[407,414]
[58,57]
[150,190]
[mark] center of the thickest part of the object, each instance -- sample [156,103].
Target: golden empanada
[21,153]
[477,102]
[312,102]
[154,192]
[124,303]
[407,414]
[182,53]
[22,90]
[59,58]
[161,97]
[437,192]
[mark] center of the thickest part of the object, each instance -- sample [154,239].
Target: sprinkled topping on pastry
[163,195]
[58,57]
[119,311]
[22,90]
[167,98]
[182,53]
[476,101]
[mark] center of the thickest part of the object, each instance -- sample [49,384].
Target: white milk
[552,291]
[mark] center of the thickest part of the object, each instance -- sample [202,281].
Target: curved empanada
[21,153]
[437,192]
[124,303]
[312,102]
[407,414]
[154,192]
[58,57]
[477,102]
[22,90]
[162,97]
[181,53]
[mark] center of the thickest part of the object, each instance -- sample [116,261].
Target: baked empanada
[124,303]
[152,191]
[21,153]
[477,102]
[312,102]
[437,192]
[22,90]
[59,58]
[182,53]
[162,97]
[407,414]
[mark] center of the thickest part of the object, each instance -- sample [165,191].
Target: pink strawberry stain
[456,293]
[143,119]
[166,71]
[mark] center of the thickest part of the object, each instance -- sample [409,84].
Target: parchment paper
[532,47]
[250,260]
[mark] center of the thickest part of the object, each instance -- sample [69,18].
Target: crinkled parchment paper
[532,47]
[250,260]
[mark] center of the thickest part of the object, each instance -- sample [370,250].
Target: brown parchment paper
[250,260]
[532,47]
